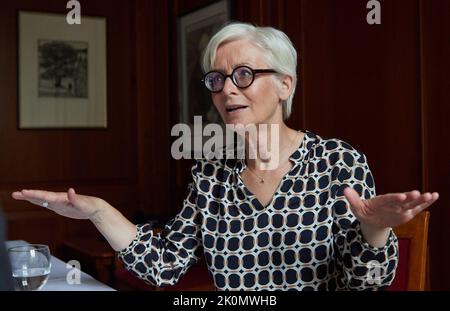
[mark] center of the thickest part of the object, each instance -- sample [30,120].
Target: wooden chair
[412,272]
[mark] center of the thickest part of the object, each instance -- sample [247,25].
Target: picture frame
[62,78]
[194,32]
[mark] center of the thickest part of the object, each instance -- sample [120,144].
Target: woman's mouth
[235,109]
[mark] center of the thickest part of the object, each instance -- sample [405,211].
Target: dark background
[385,89]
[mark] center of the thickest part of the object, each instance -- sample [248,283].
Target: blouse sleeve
[362,266]
[161,259]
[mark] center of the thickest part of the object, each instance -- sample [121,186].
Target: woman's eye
[215,79]
[245,74]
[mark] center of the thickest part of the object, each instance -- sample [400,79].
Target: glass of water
[30,266]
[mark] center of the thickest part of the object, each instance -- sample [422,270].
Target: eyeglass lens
[241,76]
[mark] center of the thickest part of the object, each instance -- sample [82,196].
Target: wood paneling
[98,162]
[48,156]
[153,92]
[361,83]
[435,47]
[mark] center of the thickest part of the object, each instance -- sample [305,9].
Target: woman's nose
[228,86]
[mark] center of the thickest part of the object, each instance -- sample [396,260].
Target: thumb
[73,197]
[356,204]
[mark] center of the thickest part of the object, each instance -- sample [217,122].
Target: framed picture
[62,71]
[194,31]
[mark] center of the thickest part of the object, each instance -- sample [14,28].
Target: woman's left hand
[388,210]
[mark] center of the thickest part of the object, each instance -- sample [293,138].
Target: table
[57,280]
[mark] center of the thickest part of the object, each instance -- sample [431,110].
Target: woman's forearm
[118,231]
[376,237]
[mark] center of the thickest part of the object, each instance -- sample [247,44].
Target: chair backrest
[413,248]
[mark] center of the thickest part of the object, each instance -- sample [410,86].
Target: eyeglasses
[242,77]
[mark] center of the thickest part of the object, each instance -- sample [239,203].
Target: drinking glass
[30,266]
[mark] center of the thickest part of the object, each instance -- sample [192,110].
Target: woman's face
[260,102]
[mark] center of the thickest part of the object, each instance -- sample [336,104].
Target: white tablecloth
[58,274]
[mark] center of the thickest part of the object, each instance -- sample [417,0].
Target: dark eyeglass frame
[231,76]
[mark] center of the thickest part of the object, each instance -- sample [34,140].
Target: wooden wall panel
[45,226]
[47,156]
[98,162]
[284,15]
[435,47]
[361,84]
[259,12]
[152,90]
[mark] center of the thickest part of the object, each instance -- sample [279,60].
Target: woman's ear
[285,90]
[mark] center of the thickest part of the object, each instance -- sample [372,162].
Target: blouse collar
[302,155]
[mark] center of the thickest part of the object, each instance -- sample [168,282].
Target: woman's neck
[271,147]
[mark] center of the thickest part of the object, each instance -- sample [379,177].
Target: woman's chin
[238,116]
[238,121]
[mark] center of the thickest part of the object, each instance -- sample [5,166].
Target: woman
[312,222]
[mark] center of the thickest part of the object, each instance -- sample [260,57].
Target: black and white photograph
[63,69]
[62,80]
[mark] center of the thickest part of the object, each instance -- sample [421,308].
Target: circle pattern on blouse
[305,239]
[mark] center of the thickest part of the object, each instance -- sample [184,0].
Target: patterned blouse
[305,239]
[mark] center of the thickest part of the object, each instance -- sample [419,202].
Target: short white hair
[279,52]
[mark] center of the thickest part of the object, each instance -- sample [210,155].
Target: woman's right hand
[68,204]
[118,230]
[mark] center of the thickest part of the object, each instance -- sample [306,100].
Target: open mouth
[235,108]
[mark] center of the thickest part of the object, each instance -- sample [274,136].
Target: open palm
[68,204]
[389,210]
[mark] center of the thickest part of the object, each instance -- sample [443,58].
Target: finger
[424,198]
[71,195]
[356,204]
[41,195]
[43,198]
[74,198]
[390,199]
[18,195]
[421,207]
[411,196]
[435,195]
[353,197]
